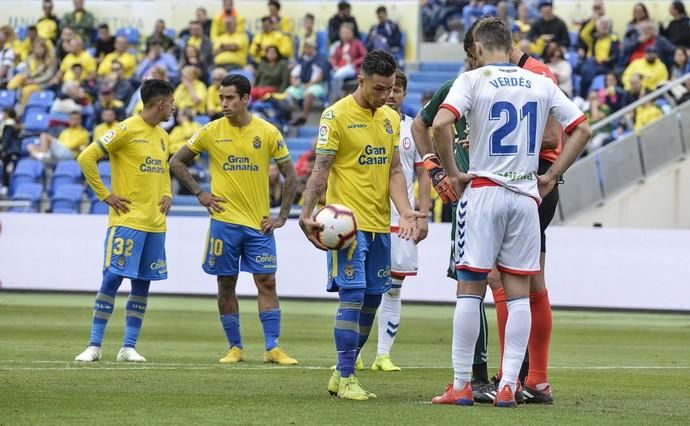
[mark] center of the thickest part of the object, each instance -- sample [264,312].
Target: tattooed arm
[178,167]
[268,224]
[316,186]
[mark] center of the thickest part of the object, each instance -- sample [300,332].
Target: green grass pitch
[606,368]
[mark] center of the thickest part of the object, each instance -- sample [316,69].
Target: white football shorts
[403,256]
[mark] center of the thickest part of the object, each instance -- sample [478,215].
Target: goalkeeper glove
[439,178]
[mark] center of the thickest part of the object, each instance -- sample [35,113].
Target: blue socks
[231,326]
[270,320]
[103,307]
[366,318]
[346,331]
[136,308]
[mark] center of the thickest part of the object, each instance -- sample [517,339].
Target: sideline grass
[607,368]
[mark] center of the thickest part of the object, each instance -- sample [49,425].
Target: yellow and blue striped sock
[103,306]
[136,308]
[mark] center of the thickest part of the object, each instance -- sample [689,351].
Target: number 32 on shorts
[123,246]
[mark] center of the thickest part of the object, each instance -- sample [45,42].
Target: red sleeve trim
[574,124]
[452,109]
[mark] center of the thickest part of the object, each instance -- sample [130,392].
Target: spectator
[346,58]
[650,68]
[202,18]
[6,55]
[560,68]
[121,54]
[340,18]
[35,72]
[680,63]
[283,25]
[106,100]
[191,93]
[157,58]
[23,48]
[105,42]
[66,146]
[635,45]
[218,23]
[585,37]
[302,164]
[437,13]
[612,93]
[308,32]
[678,30]
[548,27]
[384,35]
[269,37]
[185,129]
[275,186]
[82,21]
[71,97]
[108,120]
[49,24]
[213,107]
[272,74]
[597,111]
[523,22]
[640,15]
[190,56]
[634,91]
[122,86]
[475,10]
[307,81]
[647,113]
[159,36]
[10,148]
[198,39]
[63,48]
[79,56]
[599,52]
[231,47]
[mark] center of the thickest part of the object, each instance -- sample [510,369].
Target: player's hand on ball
[546,183]
[165,203]
[268,224]
[211,202]
[439,178]
[310,227]
[119,204]
[422,229]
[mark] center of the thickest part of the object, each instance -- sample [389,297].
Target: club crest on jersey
[121,261]
[349,272]
[387,125]
[162,145]
[328,115]
[212,262]
[256,142]
[407,143]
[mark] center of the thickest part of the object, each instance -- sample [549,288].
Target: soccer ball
[339,226]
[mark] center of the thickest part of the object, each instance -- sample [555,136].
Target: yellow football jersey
[139,165]
[363,146]
[239,166]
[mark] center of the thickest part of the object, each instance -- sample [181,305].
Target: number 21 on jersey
[529,112]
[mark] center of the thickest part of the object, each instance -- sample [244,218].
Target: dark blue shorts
[365,264]
[136,255]
[233,248]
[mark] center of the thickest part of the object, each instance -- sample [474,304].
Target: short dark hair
[75,112]
[309,16]
[11,113]
[680,7]
[32,28]
[493,34]
[103,26]
[468,42]
[153,89]
[266,18]
[343,5]
[275,3]
[381,9]
[195,22]
[379,62]
[241,83]
[400,79]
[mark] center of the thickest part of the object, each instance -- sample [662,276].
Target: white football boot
[90,354]
[129,355]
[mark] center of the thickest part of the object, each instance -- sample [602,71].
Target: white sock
[389,318]
[517,334]
[465,334]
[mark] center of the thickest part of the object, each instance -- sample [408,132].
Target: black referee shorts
[547,208]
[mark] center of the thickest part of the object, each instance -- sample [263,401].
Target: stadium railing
[606,172]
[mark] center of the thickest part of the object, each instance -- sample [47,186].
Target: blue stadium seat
[28,191]
[43,99]
[300,144]
[453,67]
[400,56]
[243,72]
[577,80]
[431,76]
[104,169]
[573,59]
[98,207]
[411,108]
[27,170]
[423,86]
[58,119]
[7,98]
[573,38]
[35,121]
[295,154]
[66,172]
[307,131]
[21,32]
[67,198]
[130,33]
[169,32]
[322,44]
[598,83]
[202,119]
[185,200]
[25,144]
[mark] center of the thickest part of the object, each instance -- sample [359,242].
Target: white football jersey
[507,108]
[409,158]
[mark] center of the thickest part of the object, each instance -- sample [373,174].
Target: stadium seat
[322,44]
[58,119]
[25,144]
[301,144]
[170,33]
[307,131]
[28,191]
[573,38]
[423,86]
[35,121]
[130,33]
[66,172]
[99,207]
[104,169]
[67,198]
[27,170]
[437,77]
[43,99]
[295,154]
[577,80]
[21,32]
[598,83]
[453,67]
[400,55]
[411,108]
[7,98]
[202,119]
